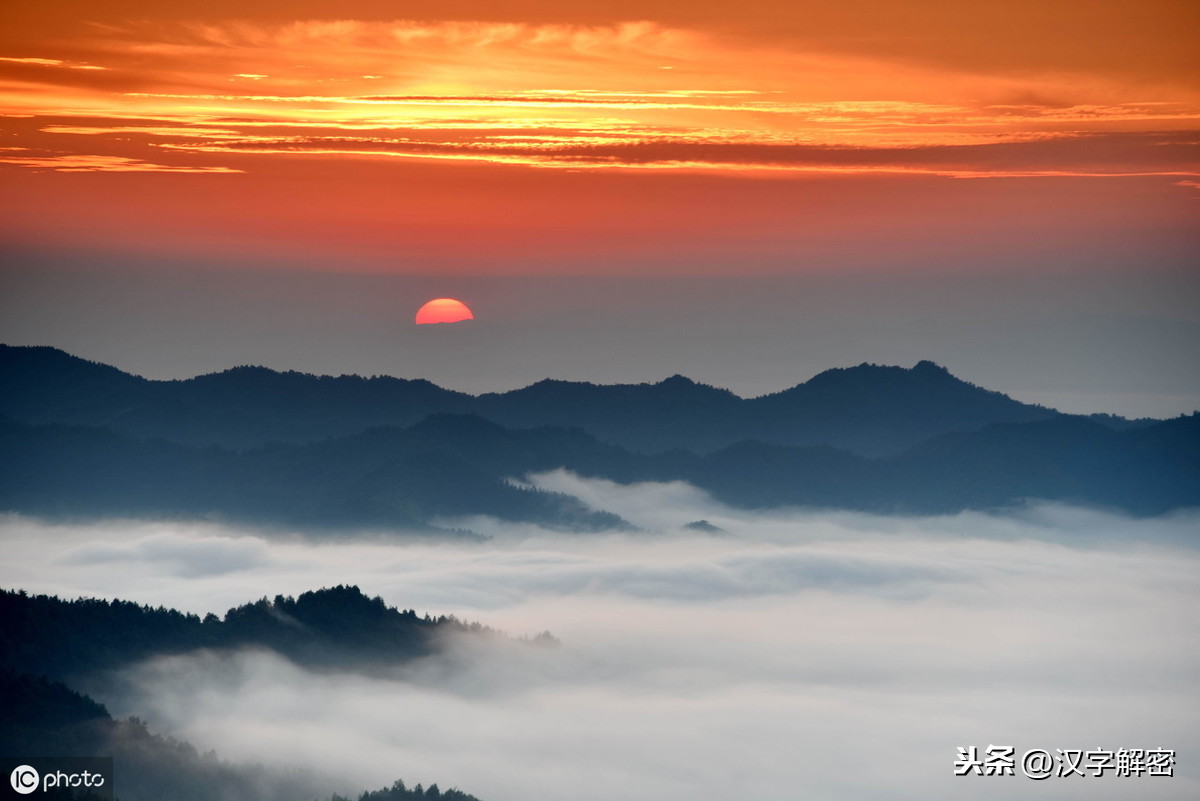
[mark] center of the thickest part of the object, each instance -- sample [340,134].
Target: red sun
[443,310]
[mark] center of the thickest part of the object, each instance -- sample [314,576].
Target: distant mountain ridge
[385,478]
[870,410]
[451,466]
[93,455]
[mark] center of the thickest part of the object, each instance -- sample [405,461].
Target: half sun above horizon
[443,310]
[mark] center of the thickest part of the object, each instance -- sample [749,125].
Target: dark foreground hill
[869,410]
[46,644]
[328,628]
[44,718]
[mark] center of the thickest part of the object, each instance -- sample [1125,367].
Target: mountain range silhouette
[253,444]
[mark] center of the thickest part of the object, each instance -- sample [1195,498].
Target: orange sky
[744,192]
[361,128]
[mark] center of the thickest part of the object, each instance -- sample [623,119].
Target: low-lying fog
[786,656]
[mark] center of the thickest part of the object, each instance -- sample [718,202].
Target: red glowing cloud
[443,310]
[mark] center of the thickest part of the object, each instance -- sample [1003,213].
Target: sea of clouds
[786,655]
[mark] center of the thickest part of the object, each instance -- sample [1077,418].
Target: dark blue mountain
[868,409]
[381,478]
[253,445]
[875,410]
[239,408]
[458,465]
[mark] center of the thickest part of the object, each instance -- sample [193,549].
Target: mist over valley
[555,606]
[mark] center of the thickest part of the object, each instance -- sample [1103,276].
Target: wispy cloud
[80,162]
[726,105]
[51,62]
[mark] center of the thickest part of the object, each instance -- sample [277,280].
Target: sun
[443,310]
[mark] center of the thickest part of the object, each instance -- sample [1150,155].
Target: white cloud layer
[795,655]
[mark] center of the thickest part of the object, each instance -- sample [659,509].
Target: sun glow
[443,310]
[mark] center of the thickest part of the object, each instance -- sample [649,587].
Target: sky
[792,654]
[745,193]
